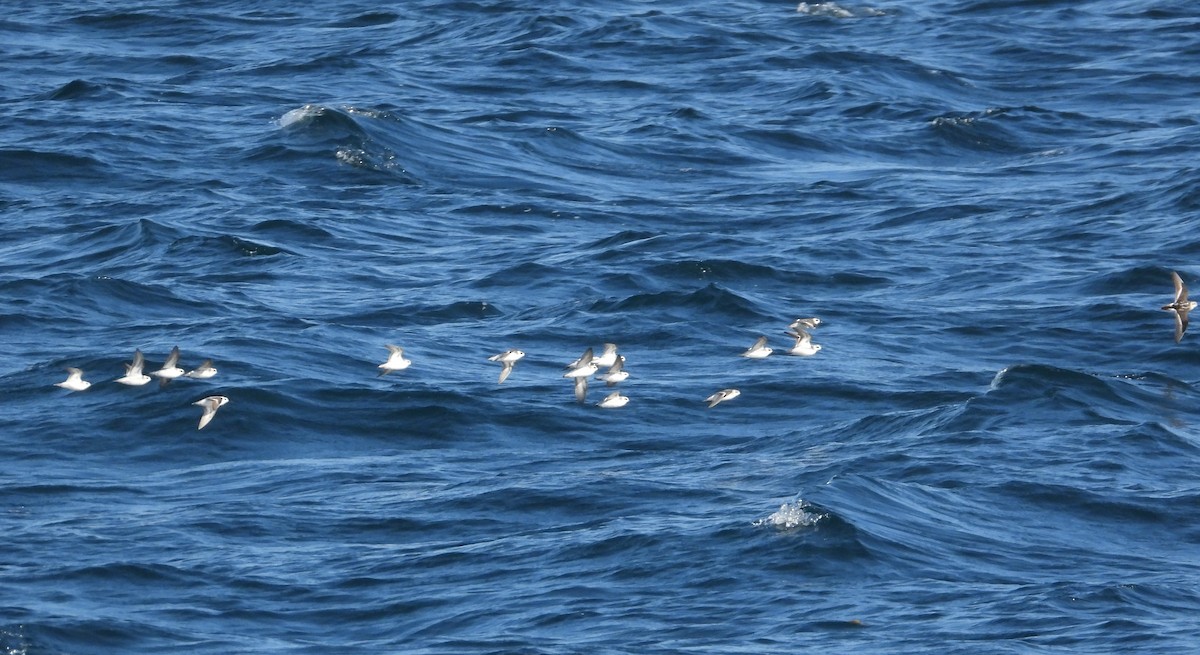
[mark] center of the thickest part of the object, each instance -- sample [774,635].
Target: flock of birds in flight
[608,367]
[588,365]
[135,377]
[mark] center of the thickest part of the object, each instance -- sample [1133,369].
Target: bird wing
[210,406]
[138,362]
[1180,289]
[583,359]
[172,359]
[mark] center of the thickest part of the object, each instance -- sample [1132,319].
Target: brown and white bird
[721,396]
[805,323]
[804,347]
[508,359]
[1180,306]
[210,405]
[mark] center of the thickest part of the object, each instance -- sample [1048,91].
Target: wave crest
[793,516]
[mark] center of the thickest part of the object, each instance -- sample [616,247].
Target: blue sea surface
[995,451]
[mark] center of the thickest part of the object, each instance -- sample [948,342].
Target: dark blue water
[996,450]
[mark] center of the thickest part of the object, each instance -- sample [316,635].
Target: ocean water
[995,451]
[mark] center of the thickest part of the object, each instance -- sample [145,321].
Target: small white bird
[721,396]
[613,400]
[805,323]
[582,371]
[395,361]
[581,385]
[579,371]
[170,368]
[74,381]
[759,350]
[608,357]
[133,371]
[204,370]
[804,347]
[210,405]
[508,359]
[1180,306]
[616,373]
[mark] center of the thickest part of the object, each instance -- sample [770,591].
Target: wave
[28,166]
[205,247]
[119,21]
[99,298]
[809,540]
[79,90]
[834,10]
[416,152]
[922,527]
[1023,130]
[287,230]
[684,305]
[793,516]
[422,314]
[368,19]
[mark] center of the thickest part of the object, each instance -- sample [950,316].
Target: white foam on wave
[310,111]
[353,157]
[790,516]
[14,643]
[300,114]
[834,10]
[359,158]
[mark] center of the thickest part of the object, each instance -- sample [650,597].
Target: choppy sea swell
[994,450]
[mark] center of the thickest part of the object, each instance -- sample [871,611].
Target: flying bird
[759,350]
[74,381]
[721,396]
[1180,306]
[204,370]
[133,371]
[613,400]
[395,361]
[170,368]
[210,405]
[508,359]
[804,347]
